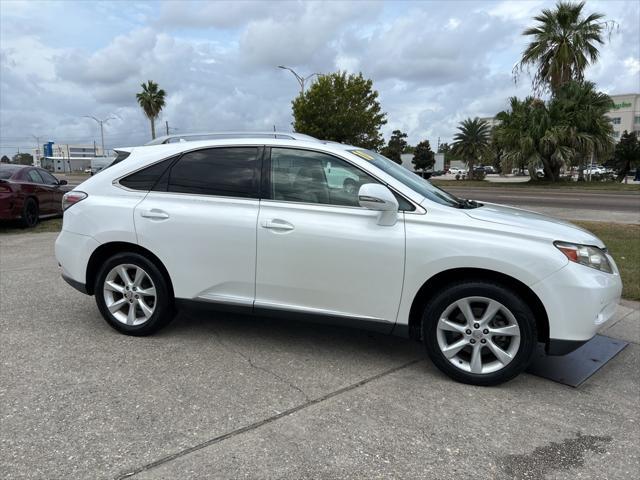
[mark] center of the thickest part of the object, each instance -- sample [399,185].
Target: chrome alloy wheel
[129,294]
[478,335]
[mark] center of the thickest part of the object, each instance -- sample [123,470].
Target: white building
[65,157]
[625,114]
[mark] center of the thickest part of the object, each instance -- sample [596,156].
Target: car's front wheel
[479,333]
[132,295]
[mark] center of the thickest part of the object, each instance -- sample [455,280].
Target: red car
[29,194]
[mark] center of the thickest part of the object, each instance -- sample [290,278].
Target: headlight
[585,255]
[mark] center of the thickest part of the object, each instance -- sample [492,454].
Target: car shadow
[255,332]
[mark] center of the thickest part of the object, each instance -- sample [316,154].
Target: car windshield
[411,180]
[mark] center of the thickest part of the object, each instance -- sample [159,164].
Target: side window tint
[147,178]
[48,178]
[314,177]
[230,172]
[34,177]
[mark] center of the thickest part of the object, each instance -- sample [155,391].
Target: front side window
[48,178]
[410,179]
[314,177]
[229,172]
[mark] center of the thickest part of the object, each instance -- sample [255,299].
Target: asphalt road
[234,397]
[608,201]
[579,205]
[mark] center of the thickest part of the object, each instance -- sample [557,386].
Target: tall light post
[301,80]
[101,123]
[36,161]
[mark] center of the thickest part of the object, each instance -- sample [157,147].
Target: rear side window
[34,176]
[147,178]
[229,172]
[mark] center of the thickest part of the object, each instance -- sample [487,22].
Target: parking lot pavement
[236,397]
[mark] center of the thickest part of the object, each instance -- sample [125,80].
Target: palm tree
[563,44]
[151,99]
[471,141]
[571,126]
[581,108]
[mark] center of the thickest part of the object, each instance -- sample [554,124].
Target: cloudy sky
[433,63]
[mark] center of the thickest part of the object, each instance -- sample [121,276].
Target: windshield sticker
[362,154]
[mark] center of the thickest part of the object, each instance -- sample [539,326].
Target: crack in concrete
[249,360]
[255,425]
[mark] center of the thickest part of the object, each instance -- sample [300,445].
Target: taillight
[71,198]
[5,189]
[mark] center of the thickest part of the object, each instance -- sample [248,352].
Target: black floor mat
[579,365]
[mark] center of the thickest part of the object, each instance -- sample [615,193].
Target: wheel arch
[448,277]
[106,250]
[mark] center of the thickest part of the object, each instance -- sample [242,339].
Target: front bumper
[579,301]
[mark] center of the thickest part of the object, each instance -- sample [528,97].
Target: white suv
[253,224]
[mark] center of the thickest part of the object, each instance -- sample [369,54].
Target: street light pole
[301,80]
[101,123]
[37,161]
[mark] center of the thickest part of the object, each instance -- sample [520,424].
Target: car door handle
[277,224]
[154,214]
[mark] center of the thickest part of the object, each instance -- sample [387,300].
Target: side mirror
[377,197]
[62,182]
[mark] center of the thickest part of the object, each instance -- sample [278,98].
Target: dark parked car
[29,194]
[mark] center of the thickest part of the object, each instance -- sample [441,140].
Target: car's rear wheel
[133,295]
[479,332]
[30,213]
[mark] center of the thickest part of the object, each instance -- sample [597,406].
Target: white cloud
[433,63]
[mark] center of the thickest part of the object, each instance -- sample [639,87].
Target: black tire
[30,213]
[520,313]
[163,304]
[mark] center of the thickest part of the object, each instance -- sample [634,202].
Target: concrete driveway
[236,397]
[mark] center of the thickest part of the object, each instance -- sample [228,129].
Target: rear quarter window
[148,178]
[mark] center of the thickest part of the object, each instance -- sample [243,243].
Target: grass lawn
[623,241]
[609,186]
[50,225]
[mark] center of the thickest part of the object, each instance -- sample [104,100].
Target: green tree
[569,127]
[529,138]
[444,147]
[342,108]
[626,154]
[580,109]
[472,141]
[563,44]
[423,156]
[152,101]
[22,159]
[396,146]
[5,159]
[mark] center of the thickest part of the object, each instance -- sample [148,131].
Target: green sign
[618,106]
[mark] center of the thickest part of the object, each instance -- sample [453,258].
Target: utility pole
[101,123]
[301,80]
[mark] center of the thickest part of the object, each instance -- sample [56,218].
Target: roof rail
[192,137]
